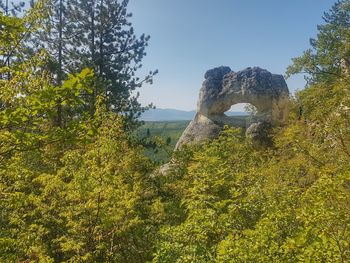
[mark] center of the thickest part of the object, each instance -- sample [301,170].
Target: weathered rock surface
[223,88]
[260,134]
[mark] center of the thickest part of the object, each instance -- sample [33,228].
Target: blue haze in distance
[190,36]
[178,115]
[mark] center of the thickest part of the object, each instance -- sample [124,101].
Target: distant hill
[176,115]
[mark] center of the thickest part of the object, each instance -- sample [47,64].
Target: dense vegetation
[76,185]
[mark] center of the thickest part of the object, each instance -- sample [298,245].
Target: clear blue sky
[190,36]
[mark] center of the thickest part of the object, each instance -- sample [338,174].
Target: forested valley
[77,186]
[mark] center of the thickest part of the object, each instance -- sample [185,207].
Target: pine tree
[96,34]
[325,103]
[329,55]
[105,41]
[54,38]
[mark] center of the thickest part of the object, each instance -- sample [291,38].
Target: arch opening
[241,109]
[241,115]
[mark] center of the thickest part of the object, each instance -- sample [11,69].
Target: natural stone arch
[223,88]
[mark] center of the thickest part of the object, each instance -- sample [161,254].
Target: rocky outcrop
[223,88]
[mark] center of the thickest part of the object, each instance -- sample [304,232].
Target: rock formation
[223,88]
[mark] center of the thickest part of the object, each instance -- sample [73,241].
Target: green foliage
[214,192]
[27,96]
[30,106]
[237,204]
[77,191]
[83,191]
[99,205]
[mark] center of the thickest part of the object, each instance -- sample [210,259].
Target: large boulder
[223,88]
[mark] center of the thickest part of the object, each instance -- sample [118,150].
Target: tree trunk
[60,66]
